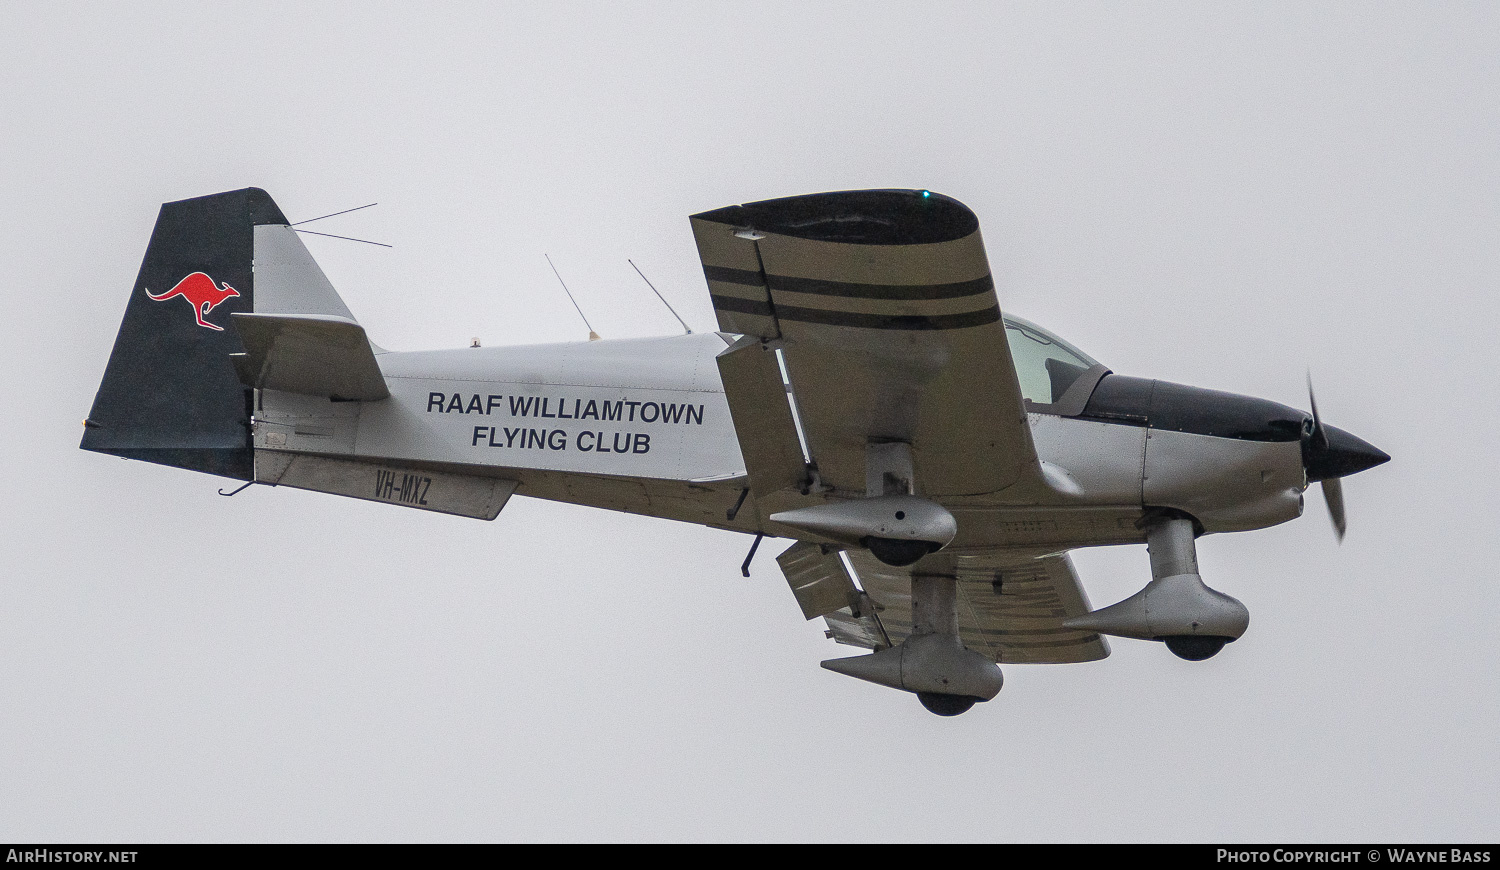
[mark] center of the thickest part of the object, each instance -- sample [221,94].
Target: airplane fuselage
[642,425]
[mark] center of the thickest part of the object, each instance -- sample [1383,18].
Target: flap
[818,579]
[316,355]
[762,417]
[1011,606]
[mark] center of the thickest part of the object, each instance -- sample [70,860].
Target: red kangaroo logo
[199,290]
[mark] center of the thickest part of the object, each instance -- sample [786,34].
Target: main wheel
[897,553]
[945,705]
[1195,647]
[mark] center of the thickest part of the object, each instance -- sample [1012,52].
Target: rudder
[170,394]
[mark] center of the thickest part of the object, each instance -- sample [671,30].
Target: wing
[1010,606]
[883,307]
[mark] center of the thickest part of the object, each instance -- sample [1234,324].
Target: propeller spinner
[1328,454]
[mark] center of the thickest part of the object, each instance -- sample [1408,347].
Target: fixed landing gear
[946,705]
[1176,607]
[896,553]
[1195,647]
[932,662]
[899,527]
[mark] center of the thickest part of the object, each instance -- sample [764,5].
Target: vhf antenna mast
[593,336]
[663,299]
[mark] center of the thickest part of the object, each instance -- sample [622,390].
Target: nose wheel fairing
[1176,607]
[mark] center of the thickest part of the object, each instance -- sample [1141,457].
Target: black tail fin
[170,394]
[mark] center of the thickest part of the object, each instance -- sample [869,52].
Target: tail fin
[171,394]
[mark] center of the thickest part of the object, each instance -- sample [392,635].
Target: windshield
[1045,364]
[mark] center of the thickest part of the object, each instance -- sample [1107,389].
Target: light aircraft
[933,459]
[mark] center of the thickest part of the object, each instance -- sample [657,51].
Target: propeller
[1333,496]
[1328,454]
[1333,489]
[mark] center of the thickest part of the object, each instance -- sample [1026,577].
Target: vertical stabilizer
[170,394]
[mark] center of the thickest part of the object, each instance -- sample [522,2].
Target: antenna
[663,299]
[593,336]
[335,214]
[331,235]
[345,238]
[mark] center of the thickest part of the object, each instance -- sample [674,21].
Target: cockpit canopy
[1053,374]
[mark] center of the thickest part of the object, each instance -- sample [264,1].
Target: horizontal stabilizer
[312,354]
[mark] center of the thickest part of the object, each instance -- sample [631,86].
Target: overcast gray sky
[1226,195]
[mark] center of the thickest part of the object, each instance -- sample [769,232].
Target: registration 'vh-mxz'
[932,459]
